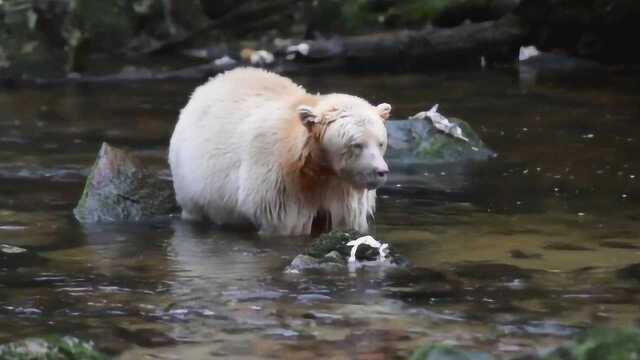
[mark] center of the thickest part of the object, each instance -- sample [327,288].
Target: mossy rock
[120,188]
[417,140]
[329,252]
[332,241]
[51,348]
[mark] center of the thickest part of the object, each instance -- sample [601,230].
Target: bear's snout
[378,176]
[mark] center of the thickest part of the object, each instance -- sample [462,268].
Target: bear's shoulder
[258,80]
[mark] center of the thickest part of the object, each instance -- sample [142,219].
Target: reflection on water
[511,255]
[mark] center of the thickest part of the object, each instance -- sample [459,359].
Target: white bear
[252,147]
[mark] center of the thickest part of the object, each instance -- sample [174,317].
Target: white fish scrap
[8,249]
[441,123]
[261,57]
[302,48]
[383,248]
[527,52]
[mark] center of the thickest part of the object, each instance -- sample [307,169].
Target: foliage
[333,241]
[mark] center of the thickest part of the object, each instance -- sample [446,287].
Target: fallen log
[465,44]
[398,50]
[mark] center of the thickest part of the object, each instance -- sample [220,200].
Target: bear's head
[352,137]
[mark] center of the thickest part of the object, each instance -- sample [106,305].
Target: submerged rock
[440,352]
[305,262]
[630,272]
[418,140]
[491,271]
[330,253]
[51,348]
[119,188]
[13,257]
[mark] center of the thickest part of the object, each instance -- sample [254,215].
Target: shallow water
[511,256]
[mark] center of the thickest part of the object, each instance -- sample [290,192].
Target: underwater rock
[418,140]
[51,348]
[330,253]
[519,254]
[491,271]
[441,352]
[119,188]
[13,257]
[613,244]
[148,337]
[630,272]
[304,262]
[565,246]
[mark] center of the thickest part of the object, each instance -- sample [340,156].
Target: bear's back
[256,84]
[227,126]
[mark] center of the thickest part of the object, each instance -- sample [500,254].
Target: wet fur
[240,155]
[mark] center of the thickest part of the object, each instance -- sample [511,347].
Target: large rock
[417,140]
[119,188]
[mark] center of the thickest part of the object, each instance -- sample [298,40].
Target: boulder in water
[120,188]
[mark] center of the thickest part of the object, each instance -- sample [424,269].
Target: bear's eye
[357,146]
[381,145]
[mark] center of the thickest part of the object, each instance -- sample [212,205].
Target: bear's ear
[384,110]
[308,117]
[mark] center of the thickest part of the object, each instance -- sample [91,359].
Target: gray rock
[119,188]
[335,257]
[302,263]
[418,141]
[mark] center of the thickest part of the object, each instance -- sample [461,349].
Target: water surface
[511,256]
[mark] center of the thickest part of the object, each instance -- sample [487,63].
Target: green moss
[50,348]
[595,344]
[441,352]
[606,344]
[333,241]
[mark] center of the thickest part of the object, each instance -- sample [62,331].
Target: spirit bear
[252,147]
